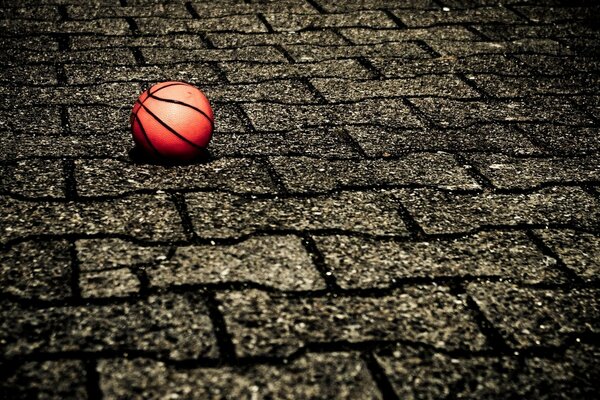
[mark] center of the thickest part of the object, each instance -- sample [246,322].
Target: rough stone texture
[291,23]
[222,215]
[110,283]
[283,91]
[332,376]
[280,262]
[105,254]
[18,120]
[250,53]
[231,40]
[37,270]
[358,262]
[439,212]
[533,317]
[176,326]
[565,140]
[269,324]
[33,178]
[238,175]
[305,174]
[312,53]
[158,222]
[578,250]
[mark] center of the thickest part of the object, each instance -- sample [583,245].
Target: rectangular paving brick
[455,113]
[312,53]
[237,174]
[107,93]
[511,172]
[565,139]
[33,178]
[328,375]
[252,72]
[302,174]
[439,212]
[251,53]
[560,66]
[345,6]
[579,251]
[486,15]
[278,117]
[470,48]
[36,43]
[284,91]
[279,262]
[99,120]
[361,263]
[321,37]
[236,8]
[115,56]
[236,23]
[78,12]
[384,142]
[109,283]
[19,120]
[159,221]
[29,75]
[295,22]
[176,41]
[271,324]
[106,26]
[37,270]
[441,85]
[176,326]
[557,14]
[526,86]
[537,317]
[97,255]
[373,36]
[222,215]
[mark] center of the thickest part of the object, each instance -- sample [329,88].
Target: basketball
[172,121]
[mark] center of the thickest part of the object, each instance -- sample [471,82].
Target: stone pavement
[402,201]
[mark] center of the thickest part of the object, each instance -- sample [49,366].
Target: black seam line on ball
[181,103]
[157,90]
[137,119]
[173,131]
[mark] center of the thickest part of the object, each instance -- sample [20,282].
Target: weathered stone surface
[579,251]
[322,37]
[37,270]
[565,139]
[108,93]
[160,220]
[523,46]
[20,120]
[439,212]
[60,379]
[295,22]
[280,262]
[100,120]
[105,254]
[329,375]
[33,178]
[109,283]
[533,317]
[312,53]
[441,17]
[250,53]
[359,263]
[284,91]
[506,86]
[176,326]
[510,172]
[269,324]
[235,174]
[303,174]
[222,215]
[372,36]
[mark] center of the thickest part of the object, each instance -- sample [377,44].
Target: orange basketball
[172,120]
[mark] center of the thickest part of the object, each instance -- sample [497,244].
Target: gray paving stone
[59,379]
[97,255]
[270,324]
[222,215]
[36,43]
[456,113]
[486,15]
[555,30]
[326,142]
[37,270]
[21,120]
[17,145]
[373,36]
[229,119]
[399,68]
[351,90]
[337,6]
[280,262]
[99,120]
[250,72]
[428,375]
[237,174]
[578,250]
[278,117]
[556,14]
[250,53]
[470,48]
[312,53]
[533,317]
[303,174]
[284,91]
[295,22]
[236,23]
[384,142]
[33,178]
[92,58]
[168,10]
[110,283]
[589,103]
[114,94]
[176,41]
[439,212]
[29,75]
[510,172]
[331,376]
[560,66]
[565,139]
[230,7]
[176,326]
[106,26]
[361,263]
[320,37]
[196,74]
[507,86]
[160,221]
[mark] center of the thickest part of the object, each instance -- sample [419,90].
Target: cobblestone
[33,178]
